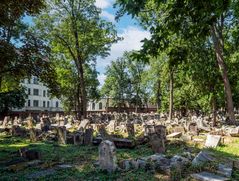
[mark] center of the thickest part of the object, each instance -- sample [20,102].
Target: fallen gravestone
[175,135]
[202,158]
[207,176]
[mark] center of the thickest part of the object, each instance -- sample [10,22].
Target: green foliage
[77,36]
[12,99]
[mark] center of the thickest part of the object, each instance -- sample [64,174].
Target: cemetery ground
[74,162]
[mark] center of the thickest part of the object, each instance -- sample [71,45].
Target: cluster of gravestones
[152,128]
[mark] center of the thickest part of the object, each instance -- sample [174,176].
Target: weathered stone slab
[207,176]
[175,135]
[83,124]
[225,169]
[212,141]
[123,143]
[234,132]
[42,173]
[88,136]
[107,156]
[202,158]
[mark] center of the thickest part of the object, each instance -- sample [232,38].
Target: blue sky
[127,28]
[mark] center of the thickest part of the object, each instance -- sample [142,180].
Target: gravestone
[157,143]
[130,129]
[212,141]
[18,131]
[33,137]
[202,158]
[5,121]
[193,129]
[111,126]
[107,156]
[83,124]
[61,135]
[207,176]
[15,121]
[30,122]
[149,130]
[78,138]
[88,136]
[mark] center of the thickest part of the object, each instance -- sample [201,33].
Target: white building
[39,99]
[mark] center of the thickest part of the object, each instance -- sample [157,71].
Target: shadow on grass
[83,158]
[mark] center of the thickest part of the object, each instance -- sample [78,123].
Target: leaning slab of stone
[207,176]
[107,156]
[202,158]
[123,143]
[175,135]
[212,141]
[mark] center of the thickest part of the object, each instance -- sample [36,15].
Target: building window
[29,91]
[29,103]
[35,80]
[57,104]
[44,103]
[48,94]
[48,104]
[93,106]
[44,93]
[100,105]
[35,103]
[29,81]
[35,92]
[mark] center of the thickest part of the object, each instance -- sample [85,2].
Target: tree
[22,54]
[117,83]
[74,29]
[191,19]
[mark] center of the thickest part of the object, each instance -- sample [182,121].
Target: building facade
[106,105]
[39,99]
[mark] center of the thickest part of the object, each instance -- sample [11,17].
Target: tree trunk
[79,63]
[158,95]
[171,95]
[218,47]
[214,109]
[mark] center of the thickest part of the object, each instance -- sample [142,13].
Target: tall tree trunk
[214,109]
[79,63]
[218,47]
[158,95]
[171,95]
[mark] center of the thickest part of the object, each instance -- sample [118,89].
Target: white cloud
[103,3]
[101,78]
[132,37]
[108,16]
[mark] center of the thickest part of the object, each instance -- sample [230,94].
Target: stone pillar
[130,129]
[107,156]
[33,137]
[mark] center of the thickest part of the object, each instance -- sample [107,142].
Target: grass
[84,157]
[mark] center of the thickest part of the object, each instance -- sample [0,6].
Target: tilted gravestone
[33,137]
[212,141]
[61,134]
[107,156]
[83,124]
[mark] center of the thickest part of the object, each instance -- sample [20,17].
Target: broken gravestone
[212,141]
[202,158]
[107,156]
